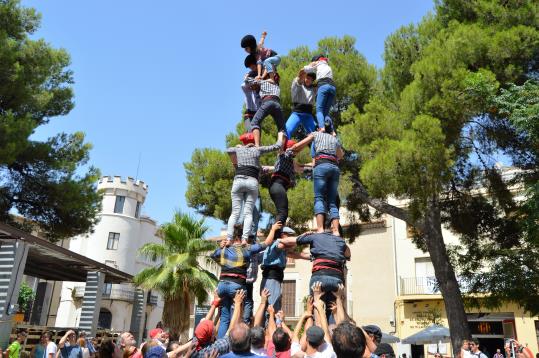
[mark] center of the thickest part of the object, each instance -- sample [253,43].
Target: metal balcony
[418,286]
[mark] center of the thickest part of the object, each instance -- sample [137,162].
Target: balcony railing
[418,286]
[114,293]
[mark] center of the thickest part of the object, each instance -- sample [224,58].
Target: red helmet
[290,143]
[247,138]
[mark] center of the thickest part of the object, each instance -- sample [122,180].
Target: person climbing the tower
[244,192]
[270,93]
[284,178]
[326,174]
[251,92]
[326,90]
[303,100]
[266,58]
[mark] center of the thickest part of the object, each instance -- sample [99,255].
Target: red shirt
[272,353]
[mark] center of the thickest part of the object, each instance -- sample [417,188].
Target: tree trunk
[445,275]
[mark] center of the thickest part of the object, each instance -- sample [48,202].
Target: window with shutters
[288,298]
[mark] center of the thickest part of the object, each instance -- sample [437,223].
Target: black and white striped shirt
[267,88]
[285,165]
[249,156]
[325,143]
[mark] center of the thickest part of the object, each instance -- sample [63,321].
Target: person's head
[173,345]
[474,345]
[72,337]
[498,350]
[437,355]
[466,345]
[82,342]
[384,350]
[375,332]
[404,355]
[281,340]
[158,334]
[248,43]
[21,336]
[286,231]
[240,339]
[315,336]
[258,337]
[127,340]
[247,138]
[328,126]
[46,336]
[109,350]
[319,57]
[204,332]
[309,79]
[348,341]
[250,63]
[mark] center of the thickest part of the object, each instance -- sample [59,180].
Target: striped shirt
[236,258]
[325,143]
[267,87]
[285,166]
[249,156]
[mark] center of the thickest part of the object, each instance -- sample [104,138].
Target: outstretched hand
[264,295]
[317,291]
[340,293]
[239,297]
[277,226]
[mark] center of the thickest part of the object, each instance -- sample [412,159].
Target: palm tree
[179,277]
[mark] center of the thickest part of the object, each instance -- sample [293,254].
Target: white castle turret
[115,241]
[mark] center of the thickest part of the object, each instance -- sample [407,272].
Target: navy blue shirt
[324,245]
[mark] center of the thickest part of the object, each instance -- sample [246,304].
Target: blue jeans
[248,304]
[271,63]
[329,284]
[274,288]
[324,100]
[326,182]
[226,291]
[297,118]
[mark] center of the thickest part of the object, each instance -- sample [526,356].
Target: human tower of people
[240,254]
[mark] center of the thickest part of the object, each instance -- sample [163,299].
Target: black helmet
[248,41]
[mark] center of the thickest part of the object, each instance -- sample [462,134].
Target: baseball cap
[288,231]
[374,330]
[315,336]
[384,348]
[247,138]
[154,332]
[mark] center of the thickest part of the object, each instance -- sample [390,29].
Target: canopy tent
[433,334]
[388,338]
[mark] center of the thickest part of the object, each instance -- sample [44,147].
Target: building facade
[115,241]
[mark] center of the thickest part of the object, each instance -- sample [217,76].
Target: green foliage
[26,296]
[178,274]
[43,181]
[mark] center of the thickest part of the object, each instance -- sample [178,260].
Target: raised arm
[340,315]
[262,39]
[238,308]
[298,255]
[306,315]
[259,315]
[283,323]
[271,321]
[320,310]
[340,153]
[273,147]
[63,340]
[301,144]
[271,236]
[213,307]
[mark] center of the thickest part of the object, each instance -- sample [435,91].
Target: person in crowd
[69,348]
[350,341]
[329,254]
[498,353]
[160,336]
[89,344]
[258,341]
[39,349]
[326,174]
[266,58]
[14,349]
[204,342]
[475,352]
[128,344]
[234,261]
[270,94]
[153,349]
[384,350]
[51,348]
[246,159]
[274,263]
[251,92]
[303,99]
[465,349]
[82,343]
[375,333]
[281,338]
[326,90]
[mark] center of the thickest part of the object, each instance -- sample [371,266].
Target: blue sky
[157,79]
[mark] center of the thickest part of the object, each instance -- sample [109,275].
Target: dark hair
[328,125]
[249,60]
[258,337]
[106,350]
[281,340]
[240,339]
[348,341]
[47,334]
[476,341]
[312,75]
[249,41]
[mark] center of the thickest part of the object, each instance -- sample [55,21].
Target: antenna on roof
[138,166]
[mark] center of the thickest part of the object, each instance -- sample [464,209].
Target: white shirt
[259,351]
[85,352]
[324,351]
[51,348]
[322,70]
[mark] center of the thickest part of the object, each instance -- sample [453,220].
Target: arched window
[105,319]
